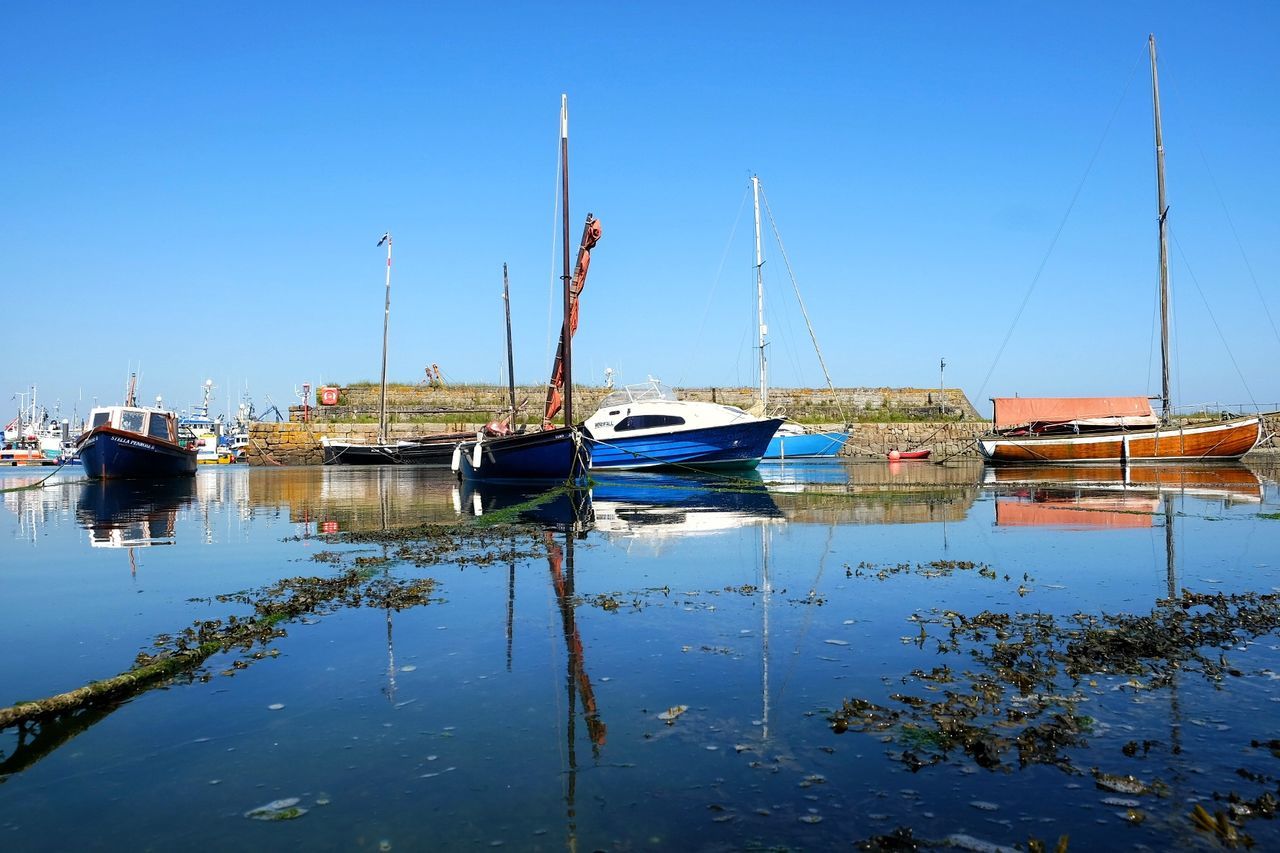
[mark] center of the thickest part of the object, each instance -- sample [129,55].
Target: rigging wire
[1213,182]
[715,283]
[795,286]
[551,275]
[1213,319]
[1151,341]
[1061,225]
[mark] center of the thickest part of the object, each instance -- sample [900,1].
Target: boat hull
[735,445]
[814,445]
[111,454]
[549,455]
[1215,441]
[25,456]
[435,450]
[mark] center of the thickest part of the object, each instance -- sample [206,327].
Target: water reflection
[1115,497]
[649,506]
[129,514]
[847,492]
[657,507]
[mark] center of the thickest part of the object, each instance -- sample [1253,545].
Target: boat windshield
[132,419]
[651,390]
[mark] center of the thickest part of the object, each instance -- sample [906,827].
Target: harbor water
[814,656]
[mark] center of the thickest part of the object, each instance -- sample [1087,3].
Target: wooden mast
[386,317]
[764,364]
[566,330]
[1163,213]
[511,364]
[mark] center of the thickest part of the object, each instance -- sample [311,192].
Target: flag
[385,238]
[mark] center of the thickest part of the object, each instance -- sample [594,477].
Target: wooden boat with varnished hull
[1215,441]
[1118,429]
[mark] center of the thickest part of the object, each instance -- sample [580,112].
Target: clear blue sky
[197,188]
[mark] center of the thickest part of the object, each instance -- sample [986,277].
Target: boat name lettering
[603,423]
[133,442]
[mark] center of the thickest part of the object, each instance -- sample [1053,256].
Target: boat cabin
[154,423]
[652,406]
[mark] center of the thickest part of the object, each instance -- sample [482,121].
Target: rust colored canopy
[1118,411]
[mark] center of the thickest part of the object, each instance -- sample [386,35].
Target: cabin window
[158,427]
[101,418]
[648,422]
[132,421]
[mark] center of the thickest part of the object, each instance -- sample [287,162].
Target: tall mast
[511,362]
[386,318]
[764,363]
[1163,212]
[566,330]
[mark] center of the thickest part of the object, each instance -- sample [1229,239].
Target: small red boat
[897,455]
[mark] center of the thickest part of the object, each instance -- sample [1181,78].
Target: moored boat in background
[791,440]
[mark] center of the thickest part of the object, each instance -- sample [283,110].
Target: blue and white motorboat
[648,426]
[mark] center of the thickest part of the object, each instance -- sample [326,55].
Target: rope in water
[40,483]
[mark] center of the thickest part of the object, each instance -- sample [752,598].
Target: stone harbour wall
[479,403]
[295,443]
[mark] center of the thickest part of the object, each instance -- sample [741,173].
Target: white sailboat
[792,440]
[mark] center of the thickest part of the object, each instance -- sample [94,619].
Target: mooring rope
[40,483]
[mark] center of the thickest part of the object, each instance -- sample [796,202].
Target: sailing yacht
[791,440]
[1117,429]
[549,453]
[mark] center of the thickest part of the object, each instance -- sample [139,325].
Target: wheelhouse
[154,423]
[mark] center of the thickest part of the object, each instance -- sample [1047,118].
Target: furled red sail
[1040,412]
[555,390]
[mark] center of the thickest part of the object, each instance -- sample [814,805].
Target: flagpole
[386,318]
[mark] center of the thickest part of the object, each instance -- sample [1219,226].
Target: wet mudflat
[823,655]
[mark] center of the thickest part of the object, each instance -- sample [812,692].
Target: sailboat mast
[1163,213]
[567,330]
[764,363]
[511,363]
[386,319]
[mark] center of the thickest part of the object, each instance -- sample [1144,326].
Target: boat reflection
[557,507]
[640,504]
[854,492]
[658,506]
[133,513]
[1111,496]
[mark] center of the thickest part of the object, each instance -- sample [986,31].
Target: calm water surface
[654,664]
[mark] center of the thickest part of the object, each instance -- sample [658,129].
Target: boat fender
[456,462]
[475,455]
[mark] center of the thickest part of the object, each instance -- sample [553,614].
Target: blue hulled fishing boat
[132,441]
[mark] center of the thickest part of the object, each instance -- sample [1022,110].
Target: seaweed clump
[1020,705]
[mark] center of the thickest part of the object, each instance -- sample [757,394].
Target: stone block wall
[478,403]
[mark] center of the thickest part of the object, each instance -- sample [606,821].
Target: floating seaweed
[1022,695]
